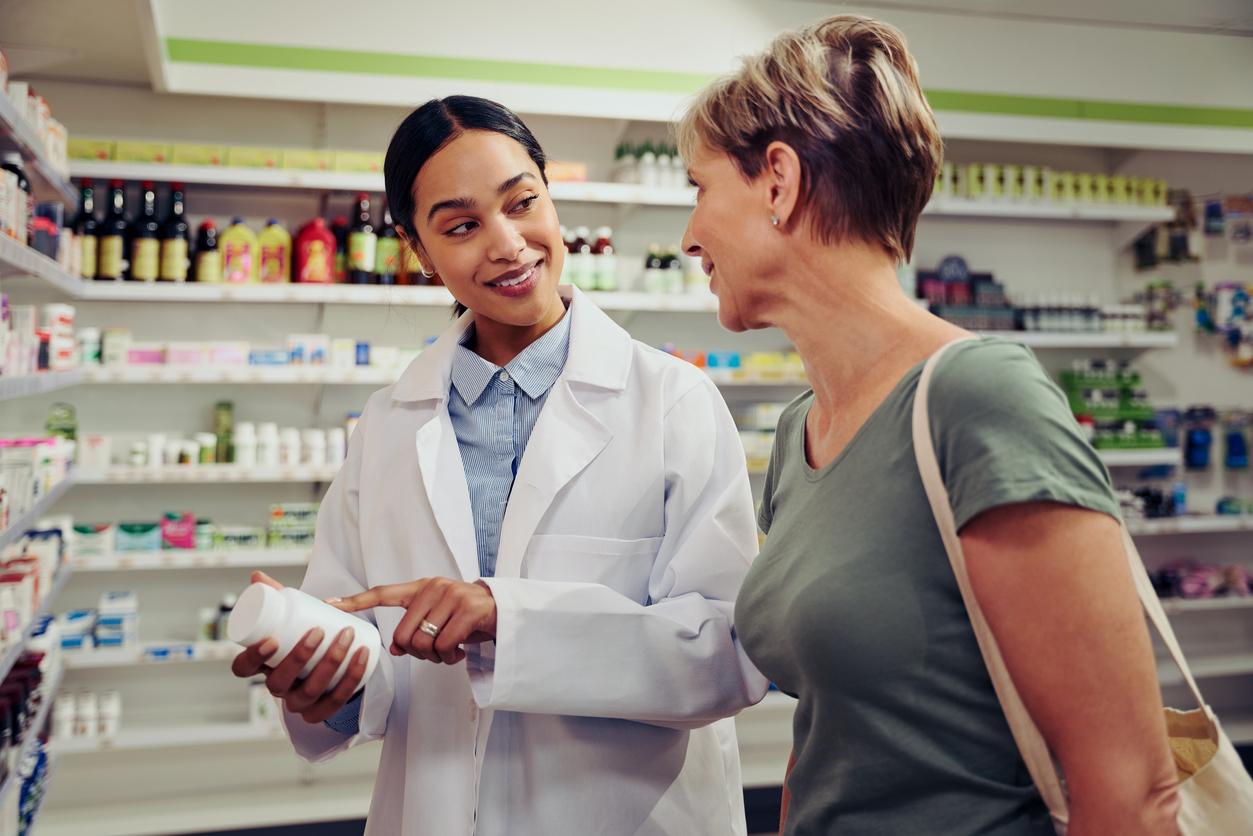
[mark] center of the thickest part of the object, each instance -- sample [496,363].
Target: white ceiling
[1231,17]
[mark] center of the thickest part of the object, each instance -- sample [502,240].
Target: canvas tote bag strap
[1031,745]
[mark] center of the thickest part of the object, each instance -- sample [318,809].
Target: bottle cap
[256,615]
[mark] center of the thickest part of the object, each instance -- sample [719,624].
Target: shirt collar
[534,370]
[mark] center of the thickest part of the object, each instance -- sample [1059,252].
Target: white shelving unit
[621,194]
[177,559]
[37,384]
[17,135]
[1209,524]
[1039,339]
[270,375]
[17,259]
[1182,606]
[1142,458]
[1208,667]
[145,653]
[169,737]
[206,474]
[42,506]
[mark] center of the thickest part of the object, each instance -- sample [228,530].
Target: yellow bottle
[241,254]
[275,253]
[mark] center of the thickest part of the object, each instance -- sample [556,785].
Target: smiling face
[730,231]
[487,226]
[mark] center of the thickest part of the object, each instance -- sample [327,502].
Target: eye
[525,203]
[461,230]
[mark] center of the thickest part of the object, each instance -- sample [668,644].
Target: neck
[854,328]
[499,342]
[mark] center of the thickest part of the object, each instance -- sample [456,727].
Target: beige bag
[1215,790]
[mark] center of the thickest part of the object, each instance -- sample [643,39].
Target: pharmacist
[590,580]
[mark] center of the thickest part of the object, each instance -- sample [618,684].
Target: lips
[513,278]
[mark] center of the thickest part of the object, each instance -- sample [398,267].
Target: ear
[783,176]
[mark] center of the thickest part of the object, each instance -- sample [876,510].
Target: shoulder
[673,378]
[992,375]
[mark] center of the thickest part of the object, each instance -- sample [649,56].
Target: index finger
[252,661]
[390,595]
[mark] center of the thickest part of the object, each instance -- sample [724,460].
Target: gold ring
[430,629]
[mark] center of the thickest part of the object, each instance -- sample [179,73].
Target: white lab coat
[604,705]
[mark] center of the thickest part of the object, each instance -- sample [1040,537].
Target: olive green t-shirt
[852,607]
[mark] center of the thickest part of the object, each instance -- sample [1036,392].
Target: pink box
[178,532]
[186,354]
[145,355]
[228,354]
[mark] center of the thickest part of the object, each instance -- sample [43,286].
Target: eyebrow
[470,203]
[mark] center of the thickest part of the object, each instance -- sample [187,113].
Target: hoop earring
[425,274]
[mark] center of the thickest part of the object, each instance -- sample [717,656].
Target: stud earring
[774,220]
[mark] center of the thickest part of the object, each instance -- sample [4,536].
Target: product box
[269,357]
[142,152]
[91,541]
[92,149]
[284,515]
[228,354]
[170,653]
[362,162]
[238,537]
[237,157]
[137,537]
[565,172]
[178,531]
[309,349]
[116,602]
[145,354]
[308,160]
[294,539]
[199,154]
[186,354]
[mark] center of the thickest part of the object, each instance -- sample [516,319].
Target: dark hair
[430,128]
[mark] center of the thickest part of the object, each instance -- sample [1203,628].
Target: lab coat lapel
[444,479]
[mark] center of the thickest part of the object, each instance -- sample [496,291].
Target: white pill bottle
[287,614]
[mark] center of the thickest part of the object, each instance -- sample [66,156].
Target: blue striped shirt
[493,412]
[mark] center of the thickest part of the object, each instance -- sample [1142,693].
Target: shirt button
[504,377]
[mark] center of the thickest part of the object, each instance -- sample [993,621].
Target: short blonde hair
[844,94]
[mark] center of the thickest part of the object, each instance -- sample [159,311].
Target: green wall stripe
[269,56]
[317,59]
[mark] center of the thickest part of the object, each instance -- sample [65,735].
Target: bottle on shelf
[362,244]
[239,253]
[673,266]
[315,253]
[208,256]
[276,246]
[112,263]
[387,250]
[579,264]
[87,230]
[654,270]
[25,201]
[145,243]
[175,238]
[339,228]
[605,270]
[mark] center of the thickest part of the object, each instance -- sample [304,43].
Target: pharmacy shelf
[1180,606]
[1040,339]
[17,259]
[274,805]
[179,559]
[317,375]
[1019,210]
[45,606]
[206,474]
[1208,524]
[1207,667]
[1142,458]
[17,135]
[212,175]
[33,730]
[37,384]
[42,506]
[166,737]
[150,653]
[1238,726]
[321,294]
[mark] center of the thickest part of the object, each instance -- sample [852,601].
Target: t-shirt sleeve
[1004,434]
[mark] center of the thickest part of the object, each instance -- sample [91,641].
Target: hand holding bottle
[307,696]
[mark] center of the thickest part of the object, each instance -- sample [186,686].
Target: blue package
[271,357]
[722,360]
[110,641]
[137,537]
[363,353]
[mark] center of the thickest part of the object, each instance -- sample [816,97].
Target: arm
[336,568]
[1058,595]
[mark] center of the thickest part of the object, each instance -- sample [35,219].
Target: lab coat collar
[600,353]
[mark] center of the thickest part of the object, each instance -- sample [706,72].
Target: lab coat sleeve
[583,649]
[336,569]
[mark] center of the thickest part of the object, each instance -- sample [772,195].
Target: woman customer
[549,524]
[813,163]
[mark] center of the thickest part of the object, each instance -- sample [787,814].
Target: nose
[689,243]
[505,242]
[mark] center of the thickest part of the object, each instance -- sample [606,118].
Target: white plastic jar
[287,614]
